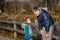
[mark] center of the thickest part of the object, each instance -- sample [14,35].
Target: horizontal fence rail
[13,22]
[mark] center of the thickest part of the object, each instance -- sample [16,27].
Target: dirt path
[5,38]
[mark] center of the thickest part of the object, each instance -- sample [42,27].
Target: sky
[19,0]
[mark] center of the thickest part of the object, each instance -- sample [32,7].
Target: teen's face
[28,20]
[36,12]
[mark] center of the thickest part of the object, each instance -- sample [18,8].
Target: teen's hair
[35,8]
[39,8]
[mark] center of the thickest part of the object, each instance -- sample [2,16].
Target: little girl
[27,29]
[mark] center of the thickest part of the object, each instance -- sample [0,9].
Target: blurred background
[16,10]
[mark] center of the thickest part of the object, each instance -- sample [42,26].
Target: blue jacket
[45,20]
[26,31]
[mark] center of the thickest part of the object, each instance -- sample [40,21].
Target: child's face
[28,20]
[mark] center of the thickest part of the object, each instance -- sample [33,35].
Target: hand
[41,32]
[47,35]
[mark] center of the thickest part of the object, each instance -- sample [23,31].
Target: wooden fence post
[15,33]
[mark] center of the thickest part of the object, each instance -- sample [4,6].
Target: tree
[59,3]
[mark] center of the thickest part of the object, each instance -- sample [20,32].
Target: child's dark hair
[26,18]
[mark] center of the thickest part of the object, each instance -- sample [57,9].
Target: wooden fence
[15,30]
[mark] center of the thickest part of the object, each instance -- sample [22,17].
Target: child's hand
[41,32]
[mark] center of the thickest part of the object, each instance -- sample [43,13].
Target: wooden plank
[15,33]
[13,22]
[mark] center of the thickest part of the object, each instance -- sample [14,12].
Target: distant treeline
[16,6]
